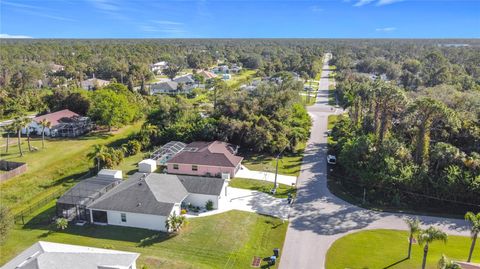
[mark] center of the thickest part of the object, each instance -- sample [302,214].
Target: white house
[47,255]
[156,67]
[93,83]
[54,118]
[147,200]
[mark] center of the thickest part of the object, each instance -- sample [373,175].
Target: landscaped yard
[388,249]
[262,186]
[240,78]
[227,240]
[54,168]
[289,164]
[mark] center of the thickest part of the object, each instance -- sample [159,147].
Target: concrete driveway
[250,201]
[244,172]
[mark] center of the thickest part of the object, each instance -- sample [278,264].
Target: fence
[398,199]
[11,169]
[25,216]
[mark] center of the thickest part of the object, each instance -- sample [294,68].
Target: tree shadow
[395,263]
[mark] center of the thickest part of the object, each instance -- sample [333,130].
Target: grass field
[238,79]
[262,186]
[388,249]
[54,168]
[289,164]
[227,240]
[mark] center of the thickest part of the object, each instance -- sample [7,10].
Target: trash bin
[276,252]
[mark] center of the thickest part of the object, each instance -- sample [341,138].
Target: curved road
[318,217]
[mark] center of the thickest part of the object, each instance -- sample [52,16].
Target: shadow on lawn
[395,263]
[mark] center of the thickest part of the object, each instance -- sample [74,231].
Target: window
[175,166]
[194,168]
[123,216]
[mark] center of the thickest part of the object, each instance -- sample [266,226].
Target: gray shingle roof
[150,195]
[156,193]
[202,185]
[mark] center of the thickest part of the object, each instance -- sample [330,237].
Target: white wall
[151,222]
[201,199]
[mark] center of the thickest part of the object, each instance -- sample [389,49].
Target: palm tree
[175,222]
[428,236]
[414,228]
[474,221]
[391,99]
[445,263]
[100,154]
[27,128]
[8,129]
[20,123]
[426,112]
[45,124]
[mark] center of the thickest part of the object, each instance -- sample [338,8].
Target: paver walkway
[318,217]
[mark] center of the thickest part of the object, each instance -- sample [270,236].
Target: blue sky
[233,18]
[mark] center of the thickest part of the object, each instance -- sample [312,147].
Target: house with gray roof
[147,200]
[172,87]
[48,255]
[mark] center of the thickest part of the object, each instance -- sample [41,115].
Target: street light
[274,190]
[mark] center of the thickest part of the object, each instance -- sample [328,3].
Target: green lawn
[243,77]
[289,164]
[54,168]
[227,240]
[262,186]
[388,249]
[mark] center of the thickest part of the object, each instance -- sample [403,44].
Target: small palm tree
[474,221]
[445,263]
[99,154]
[61,223]
[45,124]
[428,236]
[414,228]
[8,129]
[18,124]
[175,222]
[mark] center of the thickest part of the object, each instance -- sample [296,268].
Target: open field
[54,168]
[241,78]
[227,240]
[288,165]
[262,186]
[388,249]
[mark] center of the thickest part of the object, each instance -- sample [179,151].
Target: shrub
[61,223]
[5,223]
[134,147]
[183,212]
[209,205]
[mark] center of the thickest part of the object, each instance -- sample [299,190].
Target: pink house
[205,159]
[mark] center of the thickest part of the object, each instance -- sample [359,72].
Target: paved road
[318,217]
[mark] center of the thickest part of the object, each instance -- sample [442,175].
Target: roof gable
[214,153]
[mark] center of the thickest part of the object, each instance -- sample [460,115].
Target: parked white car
[331,159]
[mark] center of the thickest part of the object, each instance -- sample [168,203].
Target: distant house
[147,200]
[158,67]
[93,83]
[171,87]
[48,255]
[206,159]
[187,80]
[54,68]
[206,74]
[64,123]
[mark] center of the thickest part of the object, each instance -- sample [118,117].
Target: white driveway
[250,201]
[244,172]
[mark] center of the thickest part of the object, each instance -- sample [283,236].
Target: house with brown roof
[206,159]
[63,123]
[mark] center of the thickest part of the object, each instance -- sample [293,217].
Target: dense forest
[412,134]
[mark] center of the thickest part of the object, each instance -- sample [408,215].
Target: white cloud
[316,9]
[386,29]
[172,28]
[363,2]
[387,2]
[168,22]
[106,5]
[14,36]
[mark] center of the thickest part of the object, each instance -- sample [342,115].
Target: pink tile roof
[207,74]
[55,117]
[216,153]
